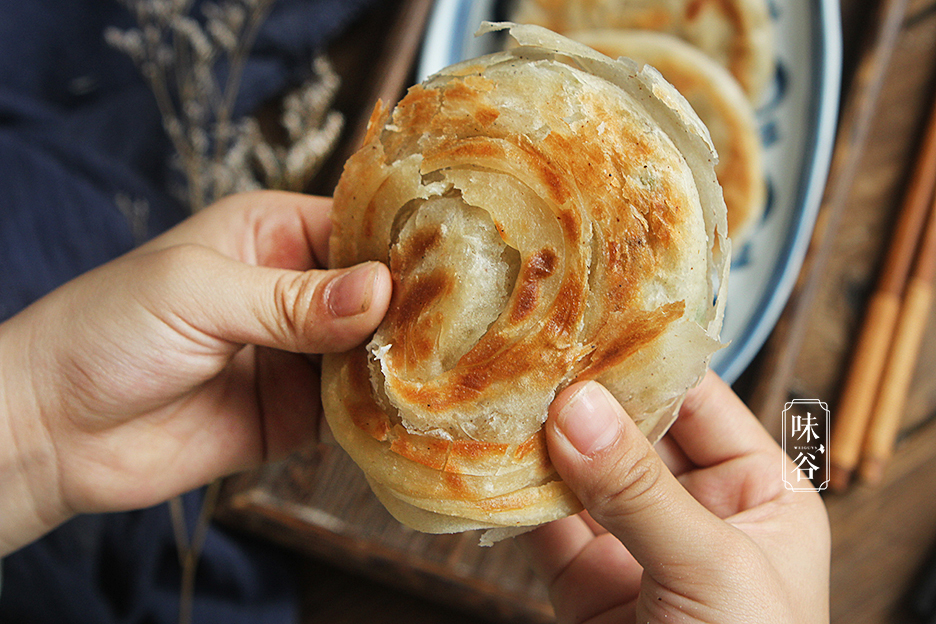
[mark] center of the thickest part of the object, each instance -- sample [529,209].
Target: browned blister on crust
[548,215]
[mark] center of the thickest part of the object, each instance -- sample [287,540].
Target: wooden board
[882,536]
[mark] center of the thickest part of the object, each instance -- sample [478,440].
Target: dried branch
[180,56]
[182,59]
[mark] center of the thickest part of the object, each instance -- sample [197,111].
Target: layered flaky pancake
[720,103]
[548,215]
[738,34]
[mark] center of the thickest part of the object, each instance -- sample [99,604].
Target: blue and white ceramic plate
[797,122]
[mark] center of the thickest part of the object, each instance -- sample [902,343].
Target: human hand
[701,529]
[140,380]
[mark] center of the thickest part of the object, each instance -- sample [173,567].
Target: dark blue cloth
[78,128]
[124,567]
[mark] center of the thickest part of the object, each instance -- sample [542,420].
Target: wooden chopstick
[868,360]
[901,361]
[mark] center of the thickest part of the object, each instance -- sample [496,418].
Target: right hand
[710,535]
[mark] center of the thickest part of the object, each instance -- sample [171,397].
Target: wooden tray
[319,503]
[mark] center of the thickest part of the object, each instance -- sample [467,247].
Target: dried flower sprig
[312,131]
[136,212]
[182,60]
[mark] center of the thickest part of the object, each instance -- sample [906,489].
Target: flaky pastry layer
[548,215]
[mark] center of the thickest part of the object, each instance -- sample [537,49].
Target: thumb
[315,311]
[625,486]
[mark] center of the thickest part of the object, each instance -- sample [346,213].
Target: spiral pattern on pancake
[548,215]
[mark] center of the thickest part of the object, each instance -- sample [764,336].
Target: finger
[585,573]
[602,578]
[267,228]
[601,454]
[552,547]
[738,484]
[290,233]
[673,456]
[310,312]
[715,426]
[596,528]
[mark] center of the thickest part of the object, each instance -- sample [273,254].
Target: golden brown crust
[720,103]
[543,224]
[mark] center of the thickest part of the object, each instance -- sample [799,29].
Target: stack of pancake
[549,215]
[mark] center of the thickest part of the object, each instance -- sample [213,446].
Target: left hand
[141,380]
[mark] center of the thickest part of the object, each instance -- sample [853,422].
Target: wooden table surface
[360,566]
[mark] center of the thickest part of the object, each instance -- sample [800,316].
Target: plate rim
[824,109]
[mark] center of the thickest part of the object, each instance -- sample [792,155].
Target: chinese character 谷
[810,468]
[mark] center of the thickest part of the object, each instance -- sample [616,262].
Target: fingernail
[589,419]
[351,293]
